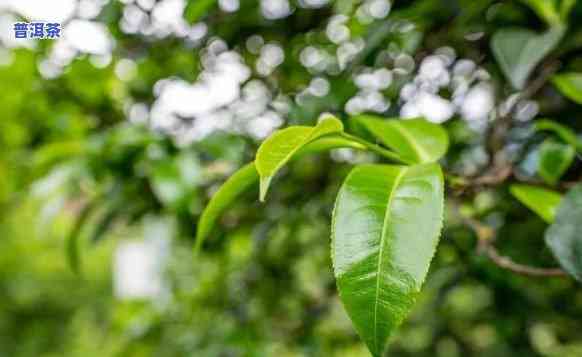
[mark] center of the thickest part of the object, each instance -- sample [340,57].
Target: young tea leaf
[235,186]
[518,51]
[564,237]
[542,201]
[72,240]
[570,85]
[386,225]
[280,147]
[555,159]
[416,140]
[247,177]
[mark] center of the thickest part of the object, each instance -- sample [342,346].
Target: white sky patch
[221,99]
[478,103]
[41,10]
[7,33]
[430,106]
[136,274]
[139,264]
[88,37]
[275,9]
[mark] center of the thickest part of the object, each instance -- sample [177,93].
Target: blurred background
[116,134]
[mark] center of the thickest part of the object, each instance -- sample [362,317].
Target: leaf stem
[387,154]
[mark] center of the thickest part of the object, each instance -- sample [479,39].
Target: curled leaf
[280,147]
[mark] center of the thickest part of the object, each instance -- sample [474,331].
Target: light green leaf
[235,186]
[542,201]
[570,84]
[72,240]
[416,140]
[330,143]
[564,237]
[565,133]
[386,225]
[546,9]
[518,51]
[555,159]
[280,147]
[566,7]
[246,177]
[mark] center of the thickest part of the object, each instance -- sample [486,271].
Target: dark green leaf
[570,84]
[283,144]
[386,225]
[542,201]
[555,159]
[564,237]
[518,51]
[416,140]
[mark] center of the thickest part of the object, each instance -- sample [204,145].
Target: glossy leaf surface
[564,237]
[518,51]
[247,177]
[280,147]
[569,84]
[416,140]
[555,159]
[542,201]
[386,225]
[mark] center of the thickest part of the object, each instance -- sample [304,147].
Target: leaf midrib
[422,155]
[383,239]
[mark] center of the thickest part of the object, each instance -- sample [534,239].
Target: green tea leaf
[518,51]
[72,240]
[385,229]
[283,144]
[565,133]
[542,201]
[570,85]
[236,185]
[546,9]
[330,143]
[416,140]
[564,236]
[555,159]
[246,177]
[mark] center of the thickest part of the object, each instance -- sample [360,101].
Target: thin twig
[486,238]
[507,263]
